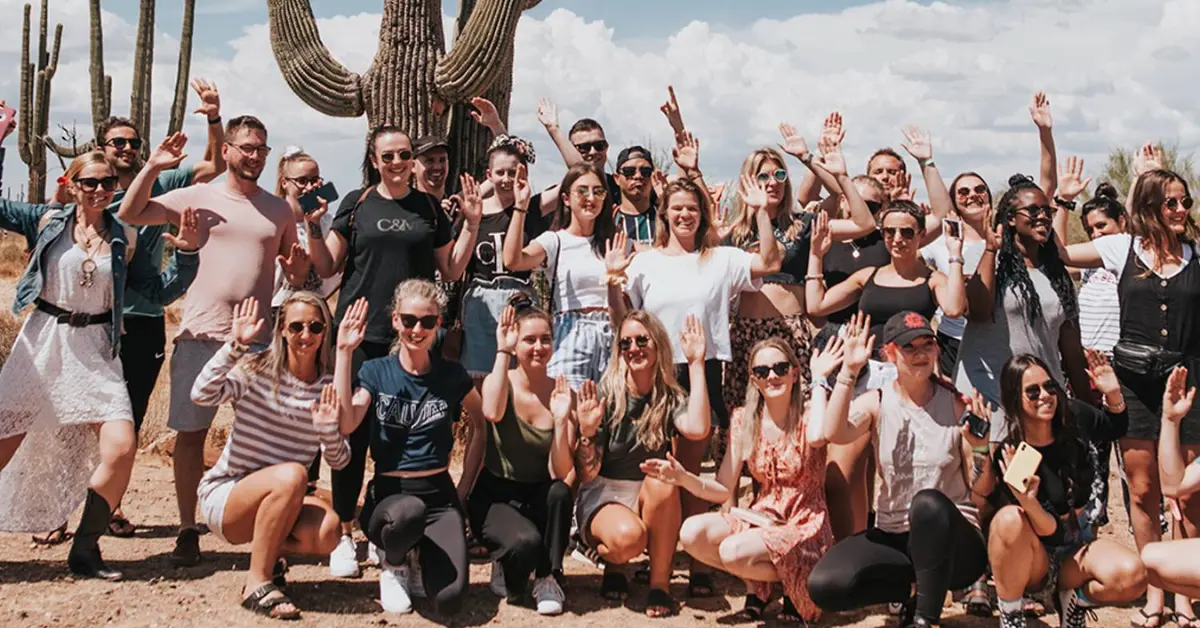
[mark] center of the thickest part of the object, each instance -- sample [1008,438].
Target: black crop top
[883,302]
[845,259]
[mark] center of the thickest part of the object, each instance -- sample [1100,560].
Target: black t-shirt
[389,242]
[623,454]
[845,259]
[487,260]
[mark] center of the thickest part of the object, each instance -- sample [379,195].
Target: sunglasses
[629,171]
[1173,203]
[627,342]
[1036,211]
[764,371]
[582,192]
[1034,392]
[120,143]
[520,301]
[906,233]
[966,191]
[91,184]
[409,321]
[874,206]
[304,181]
[313,327]
[780,175]
[400,155]
[599,146]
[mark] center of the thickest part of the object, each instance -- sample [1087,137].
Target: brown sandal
[57,536]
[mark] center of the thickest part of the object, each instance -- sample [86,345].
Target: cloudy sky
[1118,72]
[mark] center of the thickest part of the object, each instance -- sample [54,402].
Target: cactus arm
[101,85]
[143,64]
[184,68]
[25,128]
[307,65]
[480,50]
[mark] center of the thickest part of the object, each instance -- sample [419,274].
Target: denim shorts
[482,304]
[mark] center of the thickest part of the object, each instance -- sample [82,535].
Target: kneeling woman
[783,444]
[1038,540]
[521,505]
[638,409]
[415,397]
[256,492]
[926,538]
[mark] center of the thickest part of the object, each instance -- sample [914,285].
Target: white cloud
[1118,73]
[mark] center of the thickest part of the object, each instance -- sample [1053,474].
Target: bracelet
[511,354]
[992,251]
[519,210]
[957,260]
[819,382]
[807,159]
[981,450]
[849,381]
[611,279]
[216,120]
[808,278]
[1064,203]
[926,163]
[1117,410]
[314,229]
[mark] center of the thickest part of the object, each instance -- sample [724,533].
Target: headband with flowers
[523,147]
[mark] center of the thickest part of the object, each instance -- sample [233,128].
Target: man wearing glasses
[243,231]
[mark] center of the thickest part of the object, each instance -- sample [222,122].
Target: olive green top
[516,450]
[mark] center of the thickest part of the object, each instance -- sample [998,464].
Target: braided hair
[1010,263]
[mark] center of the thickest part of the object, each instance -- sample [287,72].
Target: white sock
[1010,606]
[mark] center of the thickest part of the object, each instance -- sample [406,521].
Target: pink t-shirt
[239,239]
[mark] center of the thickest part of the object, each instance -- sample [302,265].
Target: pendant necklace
[87,268]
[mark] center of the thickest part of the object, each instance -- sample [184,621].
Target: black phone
[954,228]
[309,202]
[977,425]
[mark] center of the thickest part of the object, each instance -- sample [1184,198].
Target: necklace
[87,268]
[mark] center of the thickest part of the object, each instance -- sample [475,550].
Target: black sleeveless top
[845,259]
[883,302]
[1157,311]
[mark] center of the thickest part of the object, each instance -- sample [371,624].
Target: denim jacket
[140,274]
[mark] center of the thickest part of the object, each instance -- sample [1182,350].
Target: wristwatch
[1064,203]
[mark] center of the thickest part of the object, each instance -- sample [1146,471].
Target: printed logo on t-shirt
[393,224]
[402,413]
[488,252]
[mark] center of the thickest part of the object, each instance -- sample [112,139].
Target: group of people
[874,365]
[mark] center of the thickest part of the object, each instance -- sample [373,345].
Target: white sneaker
[497,585]
[548,595]
[416,586]
[343,562]
[372,554]
[393,589]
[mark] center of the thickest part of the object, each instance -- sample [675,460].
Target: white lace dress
[58,381]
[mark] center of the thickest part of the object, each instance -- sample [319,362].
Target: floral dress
[791,477]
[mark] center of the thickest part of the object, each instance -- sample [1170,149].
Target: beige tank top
[917,448]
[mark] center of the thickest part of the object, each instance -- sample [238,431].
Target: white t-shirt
[672,286]
[323,287]
[1114,250]
[937,257]
[579,276]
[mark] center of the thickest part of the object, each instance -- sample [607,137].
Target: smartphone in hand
[309,202]
[977,425]
[1022,467]
[953,228]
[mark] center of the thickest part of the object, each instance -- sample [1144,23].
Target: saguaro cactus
[412,83]
[35,101]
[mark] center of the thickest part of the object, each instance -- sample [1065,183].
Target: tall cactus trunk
[184,68]
[35,100]
[399,88]
[101,84]
[143,73]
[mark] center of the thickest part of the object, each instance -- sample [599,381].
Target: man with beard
[243,231]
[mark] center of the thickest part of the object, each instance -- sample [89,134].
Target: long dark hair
[1062,426]
[370,173]
[605,226]
[1010,263]
[1146,221]
[1105,201]
[954,187]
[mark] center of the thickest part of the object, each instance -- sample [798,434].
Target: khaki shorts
[599,493]
[187,361]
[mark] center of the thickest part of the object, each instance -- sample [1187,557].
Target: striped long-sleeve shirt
[269,427]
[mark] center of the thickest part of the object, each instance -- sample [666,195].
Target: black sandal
[614,586]
[753,609]
[57,536]
[659,599]
[259,606]
[701,585]
[1157,618]
[279,574]
[121,528]
[788,614]
[642,575]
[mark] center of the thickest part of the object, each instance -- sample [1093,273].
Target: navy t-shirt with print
[412,416]
[389,241]
[487,260]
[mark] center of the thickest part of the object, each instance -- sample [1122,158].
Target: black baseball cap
[634,152]
[429,142]
[904,327]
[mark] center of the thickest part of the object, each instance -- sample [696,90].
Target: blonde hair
[741,220]
[744,443]
[666,396]
[288,158]
[273,362]
[706,233]
[420,290]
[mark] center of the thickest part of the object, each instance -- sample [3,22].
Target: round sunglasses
[313,327]
[627,342]
[1173,203]
[779,175]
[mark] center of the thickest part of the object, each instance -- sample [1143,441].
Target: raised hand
[659,181]
[472,200]
[169,153]
[485,113]
[325,409]
[917,143]
[822,237]
[188,239]
[560,401]
[793,143]
[832,132]
[8,120]
[353,329]
[1040,111]
[247,324]
[506,331]
[670,109]
[993,234]
[669,471]
[547,114]
[296,264]
[1148,157]
[1103,377]
[692,340]
[1071,182]
[522,191]
[825,361]
[753,193]
[588,411]
[859,343]
[210,98]
[617,255]
[832,160]
[1177,398]
[686,152]
[717,192]
[903,190]
[1028,497]
[979,407]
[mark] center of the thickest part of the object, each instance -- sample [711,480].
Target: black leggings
[713,370]
[143,347]
[400,514]
[346,484]
[525,526]
[942,551]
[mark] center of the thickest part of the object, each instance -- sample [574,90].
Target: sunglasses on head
[304,181]
[906,233]
[764,371]
[1173,203]
[400,155]
[629,171]
[1036,211]
[314,327]
[1034,392]
[629,341]
[966,191]
[780,175]
[599,146]
[90,184]
[520,301]
[120,143]
[409,321]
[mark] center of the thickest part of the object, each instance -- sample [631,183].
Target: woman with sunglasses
[385,233]
[632,417]
[521,505]
[412,512]
[299,175]
[1158,288]
[286,411]
[573,253]
[50,433]
[786,527]
[926,539]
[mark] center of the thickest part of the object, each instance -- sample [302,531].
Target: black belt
[74,319]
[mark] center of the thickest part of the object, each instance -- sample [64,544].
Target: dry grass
[13,255]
